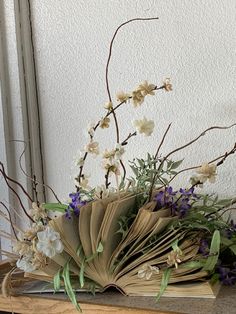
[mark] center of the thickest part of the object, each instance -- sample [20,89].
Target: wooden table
[114,303]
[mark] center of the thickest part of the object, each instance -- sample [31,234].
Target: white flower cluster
[35,245]
[111,159]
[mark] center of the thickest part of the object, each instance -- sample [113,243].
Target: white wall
[193,43]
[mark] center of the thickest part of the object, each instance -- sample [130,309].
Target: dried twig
[28,176]
[16,194]
[13,229]
[182,147]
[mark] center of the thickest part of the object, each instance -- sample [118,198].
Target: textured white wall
[193,43]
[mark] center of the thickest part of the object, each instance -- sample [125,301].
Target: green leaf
[81,274]
[224,202]
[229,244]
[193,264]
[55,207]
[164,282]
[68,287]
[214,252]
[57,281]
[135,170]
[176,164]
[214,279]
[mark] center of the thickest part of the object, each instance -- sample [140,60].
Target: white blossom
[92,148]
[146,89]
[78,159]
[108,105]
[37,212]
[101,192]
[111,165]
[109,154]
[119,151]
[49,242]
[25,264]
[146,271]
[104,123]
[137,98]
[207,172]
[122,97]
[90,128]
[167,85]
[144,126]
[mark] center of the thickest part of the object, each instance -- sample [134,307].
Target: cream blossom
[175,258]
[146,89]
[111,166]
[90,128]
[119,151]
[39,260]
[207,172]
[108,105]
[144,126]
[102,192]
[31,233]
[78,159]
[22,247]
[122,96]
[104,123]
[137,98]
[92,148]
[37,212]
[167,85]
[146,271]
[49,242]
[107,154]
[84,183]
[25,264]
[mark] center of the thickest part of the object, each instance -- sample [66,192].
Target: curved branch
[10,219]
[107,67]
[28,176]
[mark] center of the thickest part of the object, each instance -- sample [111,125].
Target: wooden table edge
[33,304]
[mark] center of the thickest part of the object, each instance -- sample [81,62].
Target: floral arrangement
[189,210]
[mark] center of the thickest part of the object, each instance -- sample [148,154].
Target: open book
[109,247]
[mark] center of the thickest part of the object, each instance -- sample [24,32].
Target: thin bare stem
[125,141]
[197,138]
[3,172]
[13,229]
[107,67]
[222,158]
[111,46]
[182,147]
[162,141]
[28,176]
[11,188]
[107,183]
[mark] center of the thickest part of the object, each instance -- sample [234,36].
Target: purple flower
[227,275]
[75,204]
[165,198]
[178,201]
[204,247]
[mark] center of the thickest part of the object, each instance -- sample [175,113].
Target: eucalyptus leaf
[68,287]
[214,252]
[81,274]
[57,281]
[55,207]
[164,282]
[176,164]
